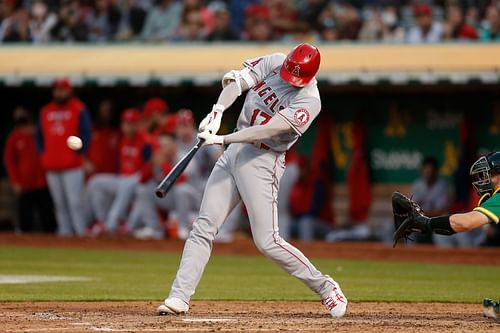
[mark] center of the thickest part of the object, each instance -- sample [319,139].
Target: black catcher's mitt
[408,217]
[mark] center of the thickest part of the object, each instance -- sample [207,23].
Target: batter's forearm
[229,94]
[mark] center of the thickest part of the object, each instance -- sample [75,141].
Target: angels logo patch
[301,117]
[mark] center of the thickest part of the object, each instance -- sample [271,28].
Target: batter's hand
[211,139]
[211,122]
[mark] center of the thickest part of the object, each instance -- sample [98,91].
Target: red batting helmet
[301,64]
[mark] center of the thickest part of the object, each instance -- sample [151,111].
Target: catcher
[409,217]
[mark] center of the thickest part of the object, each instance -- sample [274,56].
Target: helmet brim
[295,81]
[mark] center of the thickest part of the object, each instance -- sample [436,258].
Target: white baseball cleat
[335,302]
[173,306]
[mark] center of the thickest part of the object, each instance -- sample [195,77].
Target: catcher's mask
[482,170]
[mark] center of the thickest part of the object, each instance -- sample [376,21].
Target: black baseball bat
[169,180]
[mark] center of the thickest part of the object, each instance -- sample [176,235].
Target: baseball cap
[131,115]
[154,105]
[422,9]
[185,117]
[62,83]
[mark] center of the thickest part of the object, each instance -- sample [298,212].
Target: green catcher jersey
[490,207]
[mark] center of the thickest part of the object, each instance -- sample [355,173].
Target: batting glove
[211,139]
[211,122]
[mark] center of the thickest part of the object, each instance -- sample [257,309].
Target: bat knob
[160,193]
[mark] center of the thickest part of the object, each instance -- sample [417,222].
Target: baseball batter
[282,101]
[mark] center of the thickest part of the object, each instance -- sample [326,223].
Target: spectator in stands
[283,17]
[66,115]
[132,19]
[162,21]
[191,28]
[472,17]
[426,29]
[102,22]
[15,28]
[42,21]
[348,21]
[309,12]
[491,26]
[222,30]
[111,194]
[455,26]
[257,24]
[70,25]
[27,176]
[329,32]
[104,149]
[382,25]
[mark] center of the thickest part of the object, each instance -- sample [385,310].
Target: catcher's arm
[409,218]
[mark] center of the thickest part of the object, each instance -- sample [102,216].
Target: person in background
[111,194]
[491,26]
[181,200]
[257,25]
[308,203]
[41,22]
[426,29]
[70,25]
[222,30]
[206,157]
[132,19]
[102,21]
[157,118]
[27,176]
[433,195]
[65,116]
[382,25]
[455,27]
[104,150]
[162,21]
[16,28]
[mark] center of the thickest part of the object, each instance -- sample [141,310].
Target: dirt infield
[246,316]
[221,316]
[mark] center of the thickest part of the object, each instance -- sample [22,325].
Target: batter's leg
[289,178]
[63,217]
[258,182]
[219,199]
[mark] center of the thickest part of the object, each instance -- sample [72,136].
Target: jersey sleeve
[491,208]
[300,114]
[263,66]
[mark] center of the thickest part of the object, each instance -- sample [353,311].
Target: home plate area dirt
[234,316]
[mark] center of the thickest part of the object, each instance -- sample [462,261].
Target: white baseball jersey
[252,175]
[272,96]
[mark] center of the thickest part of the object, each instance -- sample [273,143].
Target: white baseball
[74,142]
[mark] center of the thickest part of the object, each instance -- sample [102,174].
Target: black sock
[440,225]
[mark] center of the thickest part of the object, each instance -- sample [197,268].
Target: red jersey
[57,122]
[22,160]
[132,152]
[104,150]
